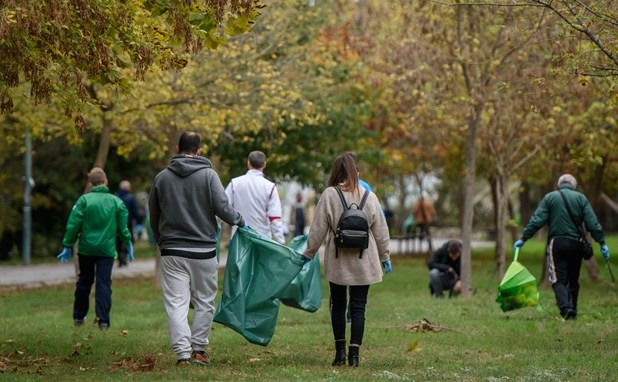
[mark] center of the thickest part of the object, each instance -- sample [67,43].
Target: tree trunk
[468,207]
[525,204]
[104,141]
[403,212]
[593,269]
[500,214]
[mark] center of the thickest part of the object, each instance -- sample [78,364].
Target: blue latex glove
[518,244]
[65,255]
[387,267]
[605,252]
[305,259]
[130,251]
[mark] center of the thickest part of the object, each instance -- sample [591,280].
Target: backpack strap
[345,205]
[365,195]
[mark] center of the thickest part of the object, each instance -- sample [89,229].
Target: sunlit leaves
[56,45]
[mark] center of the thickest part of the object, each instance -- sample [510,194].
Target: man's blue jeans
[91,267]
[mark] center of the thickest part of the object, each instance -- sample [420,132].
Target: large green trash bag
[257,271]
[305,291]
[518,288]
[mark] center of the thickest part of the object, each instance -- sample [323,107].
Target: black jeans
[564,261]
[338,305]
[89,268]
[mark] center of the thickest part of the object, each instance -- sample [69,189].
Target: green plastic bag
[305,291]
[518,288]
[257,271]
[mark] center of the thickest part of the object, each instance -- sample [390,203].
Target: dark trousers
[338,305]
[91,267]
[564,261]
[440,281]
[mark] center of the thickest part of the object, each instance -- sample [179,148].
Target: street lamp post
[27,210]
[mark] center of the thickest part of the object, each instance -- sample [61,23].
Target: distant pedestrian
[297,216]
[185,200]
[95,220]
[424,215]
[564,211]
[348,272]
[257,199]
[445,269]
[124,193]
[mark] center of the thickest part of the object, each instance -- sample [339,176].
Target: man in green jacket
[564,211]
[96,218]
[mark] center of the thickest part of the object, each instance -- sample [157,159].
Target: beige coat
[348,269]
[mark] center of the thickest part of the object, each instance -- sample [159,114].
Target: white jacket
[257,200]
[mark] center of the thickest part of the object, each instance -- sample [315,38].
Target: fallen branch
[425,326]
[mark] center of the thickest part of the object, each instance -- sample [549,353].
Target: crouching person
[445,269]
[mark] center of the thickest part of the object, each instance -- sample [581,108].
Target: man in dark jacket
[445,269]
[184,202]
[124,193]
[564,211]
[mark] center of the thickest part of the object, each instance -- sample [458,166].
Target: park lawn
[473,339]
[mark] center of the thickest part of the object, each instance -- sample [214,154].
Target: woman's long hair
[345,172]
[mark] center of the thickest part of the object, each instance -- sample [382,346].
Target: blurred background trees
[487,104]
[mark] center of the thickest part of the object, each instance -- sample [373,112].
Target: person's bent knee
[435,273]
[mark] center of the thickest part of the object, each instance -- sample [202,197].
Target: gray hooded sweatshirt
[183,203]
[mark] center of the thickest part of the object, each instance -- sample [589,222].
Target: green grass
[478,341]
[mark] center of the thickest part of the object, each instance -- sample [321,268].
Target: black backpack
[353,227]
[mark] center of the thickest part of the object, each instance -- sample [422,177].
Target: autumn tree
[58,47]
[594,23]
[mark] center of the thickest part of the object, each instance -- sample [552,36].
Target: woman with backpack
[354,255]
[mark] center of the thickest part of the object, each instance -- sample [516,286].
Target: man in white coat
[257,199]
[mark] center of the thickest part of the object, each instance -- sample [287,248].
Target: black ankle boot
[339,353]
[353,355]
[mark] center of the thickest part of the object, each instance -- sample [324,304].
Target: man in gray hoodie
[184,202]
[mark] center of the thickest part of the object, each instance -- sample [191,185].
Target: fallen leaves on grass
[75,351]
[413,346]
[424,325]
[4,364]
[21,361]
[143,364]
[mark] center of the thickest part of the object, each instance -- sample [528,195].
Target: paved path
[18,277]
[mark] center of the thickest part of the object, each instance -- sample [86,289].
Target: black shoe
[79,322]
[339,353]
[353,356]
[103,326]
[569,314]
